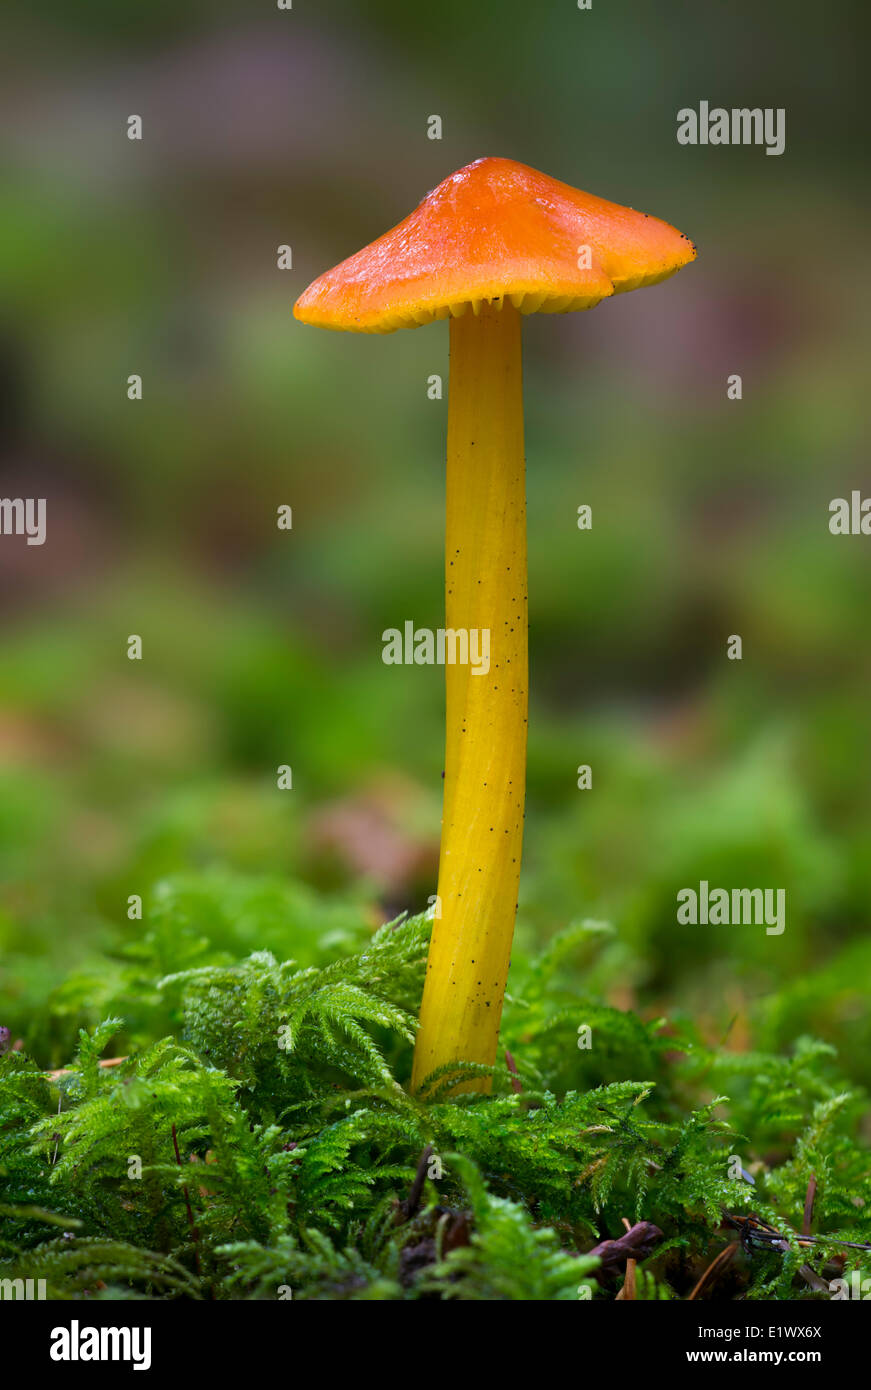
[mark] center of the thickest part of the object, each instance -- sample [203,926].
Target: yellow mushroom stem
[485,752]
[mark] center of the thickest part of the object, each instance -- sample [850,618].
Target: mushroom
[494,241]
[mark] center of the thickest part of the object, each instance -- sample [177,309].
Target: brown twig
[516,1083]
[408,1207]
[628,1290]
[813,1280]
[636,1244]
[195,1235]
[68,1071]
[56,1135]
[809,1206]
[714,1268]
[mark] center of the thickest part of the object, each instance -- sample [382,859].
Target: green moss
[258,1140]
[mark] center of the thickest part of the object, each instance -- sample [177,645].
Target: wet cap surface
[495,230]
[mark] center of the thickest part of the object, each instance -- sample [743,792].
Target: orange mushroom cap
[495,230]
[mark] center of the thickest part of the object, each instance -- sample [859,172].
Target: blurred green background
[261,647]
